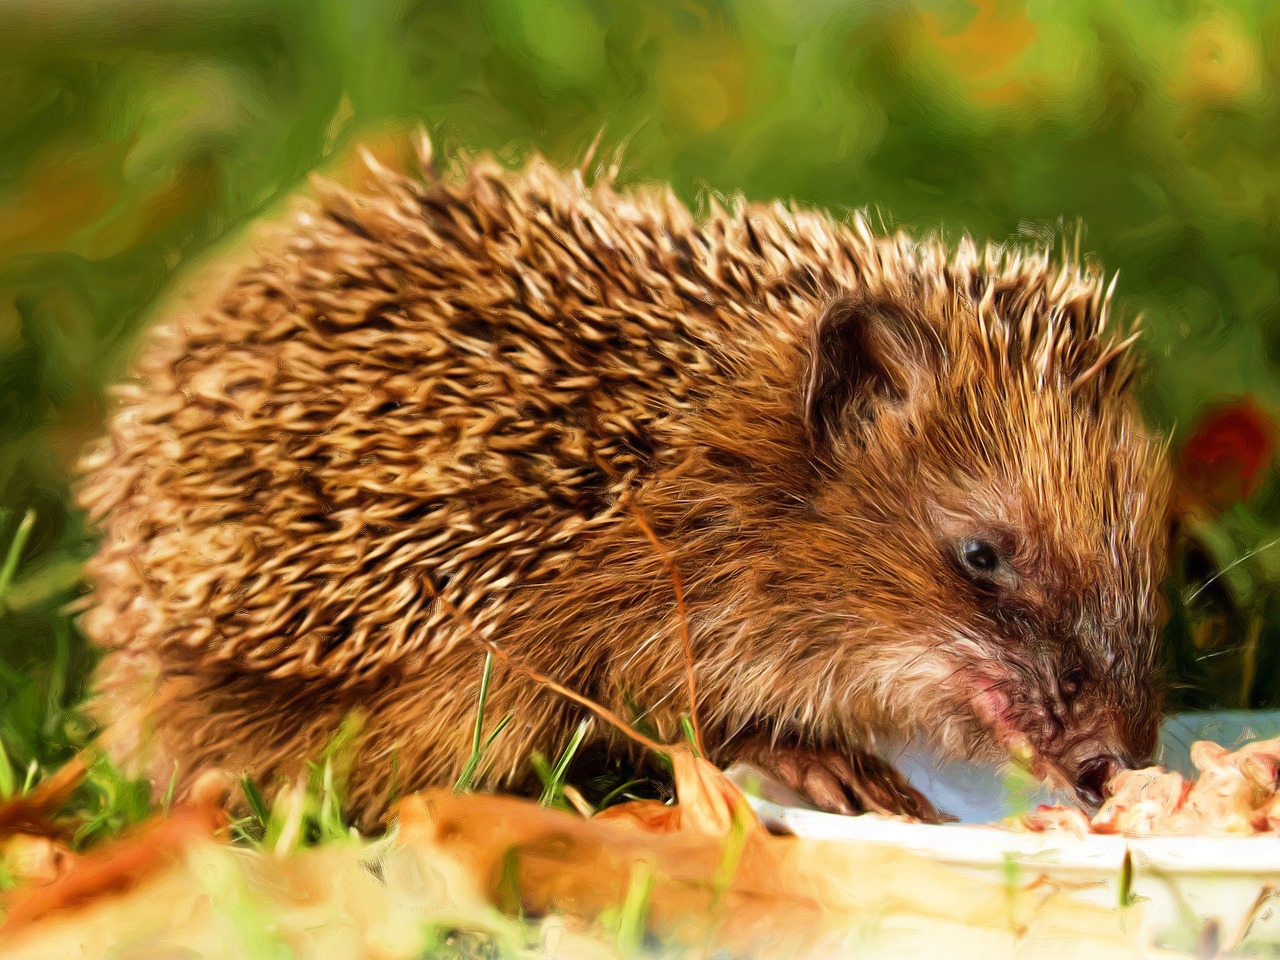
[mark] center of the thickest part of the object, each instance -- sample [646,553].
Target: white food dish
[1187,882]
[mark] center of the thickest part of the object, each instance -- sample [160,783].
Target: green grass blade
[689,734]
[541,766]
[169,792]
[486,674]
[553,785]
[331,824]
[16,547]
[465,779]
[1124,886]
[735,843]
[30,781]
[634,916]
[616,792]
[7,781]
[257,806]
[502,725]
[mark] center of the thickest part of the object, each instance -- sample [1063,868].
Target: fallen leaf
[716,880]
[113,868]
[34,812]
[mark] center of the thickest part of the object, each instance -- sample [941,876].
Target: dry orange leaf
[703,874]
[33,813]
[112,869]
[715,879]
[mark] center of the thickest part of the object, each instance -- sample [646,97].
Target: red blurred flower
[1223,459]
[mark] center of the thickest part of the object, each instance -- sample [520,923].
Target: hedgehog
[906,485]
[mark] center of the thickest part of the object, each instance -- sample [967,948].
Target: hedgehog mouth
[1016,725]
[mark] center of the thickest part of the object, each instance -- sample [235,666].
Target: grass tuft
[112,802]
[553,778]
[479,743]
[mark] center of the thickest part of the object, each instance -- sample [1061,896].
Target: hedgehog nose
[1094,779]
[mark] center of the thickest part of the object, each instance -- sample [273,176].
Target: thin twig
[678,586]
[1249,555]
[604,713]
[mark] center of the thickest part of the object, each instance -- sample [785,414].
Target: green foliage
[310,811]
[110,803]
[134,140]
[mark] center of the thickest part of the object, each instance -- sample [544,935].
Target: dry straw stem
[678,586]
[603,712]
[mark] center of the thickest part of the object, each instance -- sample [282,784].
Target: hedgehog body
[906,487]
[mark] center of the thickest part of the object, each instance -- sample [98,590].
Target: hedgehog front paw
[861,782]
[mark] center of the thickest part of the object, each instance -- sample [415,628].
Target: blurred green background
[135,136]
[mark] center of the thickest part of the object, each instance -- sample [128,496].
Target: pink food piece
[1142,802]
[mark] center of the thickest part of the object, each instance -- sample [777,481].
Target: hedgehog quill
[908,489]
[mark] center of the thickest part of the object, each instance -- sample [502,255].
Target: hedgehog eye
[980,558]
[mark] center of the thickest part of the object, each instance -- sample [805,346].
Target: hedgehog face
[1013,535]
[1050,582]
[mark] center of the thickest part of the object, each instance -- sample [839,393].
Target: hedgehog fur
[429,412]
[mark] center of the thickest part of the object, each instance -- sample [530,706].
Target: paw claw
[823,787]
[838,783]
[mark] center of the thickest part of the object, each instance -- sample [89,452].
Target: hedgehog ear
[863,351]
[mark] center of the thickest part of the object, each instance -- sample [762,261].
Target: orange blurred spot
[113,869]
[985,51]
